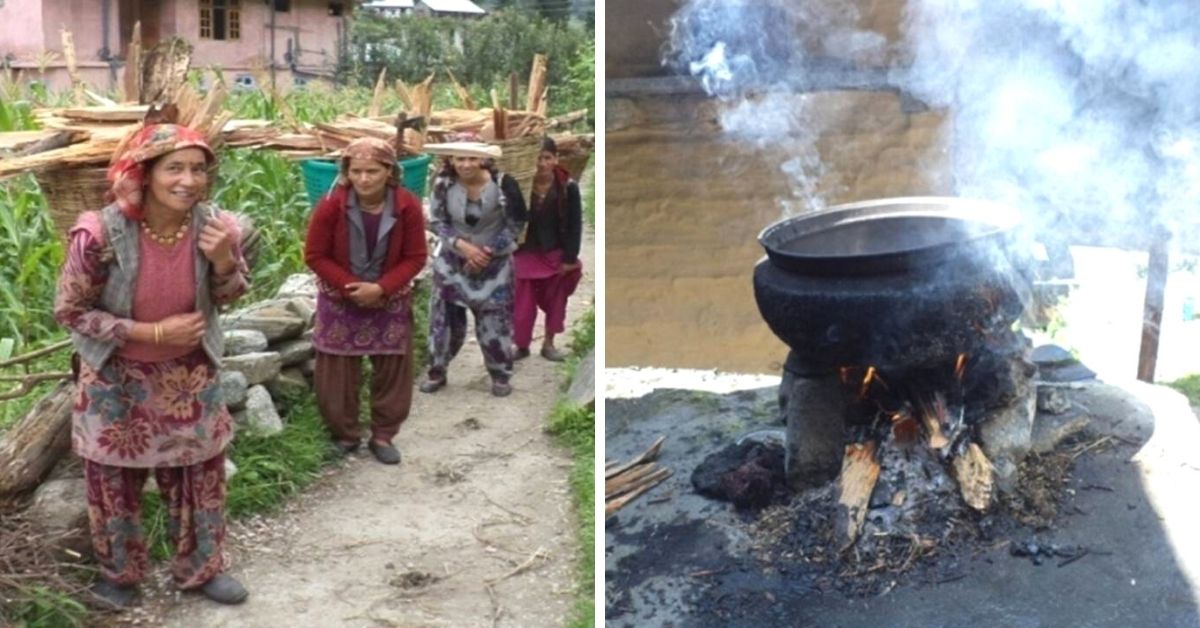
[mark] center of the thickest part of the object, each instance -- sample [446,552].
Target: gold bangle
[158,333]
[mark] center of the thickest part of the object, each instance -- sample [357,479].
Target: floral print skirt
[150,414]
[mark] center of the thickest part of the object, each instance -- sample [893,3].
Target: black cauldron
[898,282]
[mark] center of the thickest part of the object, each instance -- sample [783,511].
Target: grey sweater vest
[122,236]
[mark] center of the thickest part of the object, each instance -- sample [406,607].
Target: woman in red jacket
[366,243]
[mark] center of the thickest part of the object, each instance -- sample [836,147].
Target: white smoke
[1081,113]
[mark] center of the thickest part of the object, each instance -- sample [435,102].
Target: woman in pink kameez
[139,291]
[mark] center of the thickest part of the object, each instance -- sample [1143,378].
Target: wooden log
[514,85]
[860,471]
[127,114]
[537,84]
[68,44]
[566,119]
[645,456]
[31,448]
[973,471]
[1152,307]
[613,506]
[131,83]
[644,481]
[632,475]
[376,105]
[164,70]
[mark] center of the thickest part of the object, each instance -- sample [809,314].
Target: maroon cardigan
[327,246]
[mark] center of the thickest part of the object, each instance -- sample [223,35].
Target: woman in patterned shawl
[139,291]
[366,243]
[478,214]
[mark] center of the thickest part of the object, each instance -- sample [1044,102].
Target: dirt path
[481,497]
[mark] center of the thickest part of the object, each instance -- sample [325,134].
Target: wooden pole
[1152,312]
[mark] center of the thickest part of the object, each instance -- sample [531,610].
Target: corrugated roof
[453,6]
[389,4]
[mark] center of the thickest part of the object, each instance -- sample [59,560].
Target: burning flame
[866,382]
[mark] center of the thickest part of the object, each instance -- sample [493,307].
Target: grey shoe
[554,354]
[520,353]
[501,389]
[115,595]
[432,384]
[384,452]
[223,589]
[345,448]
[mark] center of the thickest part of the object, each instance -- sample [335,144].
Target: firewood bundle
[624,483]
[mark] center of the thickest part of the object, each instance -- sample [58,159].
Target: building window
[337,9]
[220,19]
[283,6]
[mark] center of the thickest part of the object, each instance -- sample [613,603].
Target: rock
[257,367]
[1052,355]
[260,415]
[289,383]
[1051,429]
[233,388]
[299,285]
[275,326]
[242,341]
[308,366]
[304,307]
[230,469]
[813,407]
[1065,373]
[60,510]
[1007,434]
[583,387]
[1052,399]
[292,352]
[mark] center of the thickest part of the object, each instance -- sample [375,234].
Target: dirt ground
[474,528]
[1123,533]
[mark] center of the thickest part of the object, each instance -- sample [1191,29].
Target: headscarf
[369,148]
[127,175]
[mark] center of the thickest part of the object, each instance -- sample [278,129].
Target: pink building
[303,38]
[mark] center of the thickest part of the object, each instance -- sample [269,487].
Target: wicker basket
[70,192]
[519,160]
[575,163]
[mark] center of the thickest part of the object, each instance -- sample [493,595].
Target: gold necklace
[168,240]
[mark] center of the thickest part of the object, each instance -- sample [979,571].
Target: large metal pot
[903,281]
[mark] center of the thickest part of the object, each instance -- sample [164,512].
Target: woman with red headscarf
[366,243]
[139,291]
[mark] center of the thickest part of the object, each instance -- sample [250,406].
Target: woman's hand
[566,269]
[180,330]
[216,241]
[366,294]
[478,257]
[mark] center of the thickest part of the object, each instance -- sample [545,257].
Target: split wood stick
[514,85]
[931,414]
[974,474]
[405,94]
[68,44]
[645,456]
[566,119]
[632,475]
[463,95]
[648,480]
[860,471]
[613,506]
[131,84]
[537,83]
[377,97]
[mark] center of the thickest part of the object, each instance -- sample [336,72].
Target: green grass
[589,201]
[1189,385]
[575,428]
[44,608]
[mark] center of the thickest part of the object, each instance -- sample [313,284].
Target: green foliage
[30,255]
[1189,385]
[16,115]
[45,608]
[491,49]
[575,428]
[578,89]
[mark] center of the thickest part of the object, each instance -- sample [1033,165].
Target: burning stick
[860,471]
[973,471]
[932,412]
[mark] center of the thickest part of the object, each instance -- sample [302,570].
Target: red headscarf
[127,175]
[371,148]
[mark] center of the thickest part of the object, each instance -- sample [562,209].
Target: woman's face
[179,180]
[466,167]
[369,177]
[546,162]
